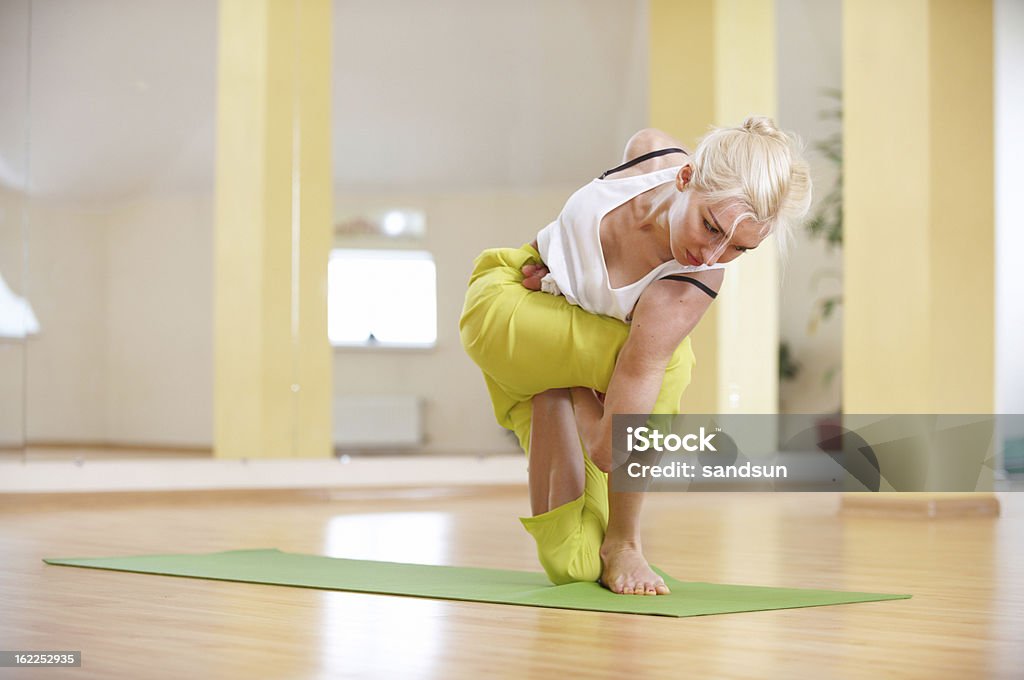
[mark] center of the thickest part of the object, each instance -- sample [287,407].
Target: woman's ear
[684,176]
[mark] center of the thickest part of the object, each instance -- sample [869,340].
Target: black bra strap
[641,159]
[699,284]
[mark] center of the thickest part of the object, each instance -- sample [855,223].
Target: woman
[593,319]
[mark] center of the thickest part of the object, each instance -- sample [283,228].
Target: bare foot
[625,571]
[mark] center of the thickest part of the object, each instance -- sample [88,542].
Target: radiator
[377,421]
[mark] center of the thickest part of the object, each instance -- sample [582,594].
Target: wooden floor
[966,619]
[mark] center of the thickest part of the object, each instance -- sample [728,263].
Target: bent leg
[580,535]
[568,493]
[556,455]
[527,343]
[531,341]
[569,536]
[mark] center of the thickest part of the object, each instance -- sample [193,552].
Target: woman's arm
[666,313]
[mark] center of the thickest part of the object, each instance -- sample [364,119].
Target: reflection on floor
[966,618]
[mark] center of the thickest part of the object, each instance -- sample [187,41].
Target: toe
[662,589]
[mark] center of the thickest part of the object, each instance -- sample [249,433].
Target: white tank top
[571,247]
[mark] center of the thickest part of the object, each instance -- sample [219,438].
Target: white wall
[159,321]
[1009,36]
[14,69]
[458,95]
[65,368]
[809,60]
[1009,142]
[12,403]
[122,295]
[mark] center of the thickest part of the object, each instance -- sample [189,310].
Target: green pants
[527,342]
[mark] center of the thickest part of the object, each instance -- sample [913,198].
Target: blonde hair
[762,169]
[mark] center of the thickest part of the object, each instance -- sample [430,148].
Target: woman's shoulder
[644,142]
[647,140]
[652,139]
[693,285]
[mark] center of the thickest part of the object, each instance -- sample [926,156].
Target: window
[381,298]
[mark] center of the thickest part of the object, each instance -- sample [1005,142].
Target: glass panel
[809,39]
[484,117]
[121,213]
[17,318]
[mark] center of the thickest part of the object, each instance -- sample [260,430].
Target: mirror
[483,118]
[456,126]
[17,318]
[121,222]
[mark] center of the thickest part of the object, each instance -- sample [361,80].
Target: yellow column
[272,359]
[918,332]
[713,62]
[918,207]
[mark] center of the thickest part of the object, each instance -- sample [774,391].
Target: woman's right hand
[532,274]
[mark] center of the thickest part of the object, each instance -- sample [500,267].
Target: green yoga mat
[463,583]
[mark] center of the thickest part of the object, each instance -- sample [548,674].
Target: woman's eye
[708,226]
[742,250]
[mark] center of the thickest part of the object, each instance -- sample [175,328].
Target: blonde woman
[593,319]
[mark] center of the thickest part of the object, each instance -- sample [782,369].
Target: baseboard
[185,474]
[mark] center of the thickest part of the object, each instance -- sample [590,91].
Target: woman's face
[697,230]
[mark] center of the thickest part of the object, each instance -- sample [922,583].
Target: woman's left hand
[532,274]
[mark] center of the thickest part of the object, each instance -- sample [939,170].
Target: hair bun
[762,125]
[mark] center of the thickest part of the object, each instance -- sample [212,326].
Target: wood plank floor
[966,619]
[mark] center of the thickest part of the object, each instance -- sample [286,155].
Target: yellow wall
[713,62]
